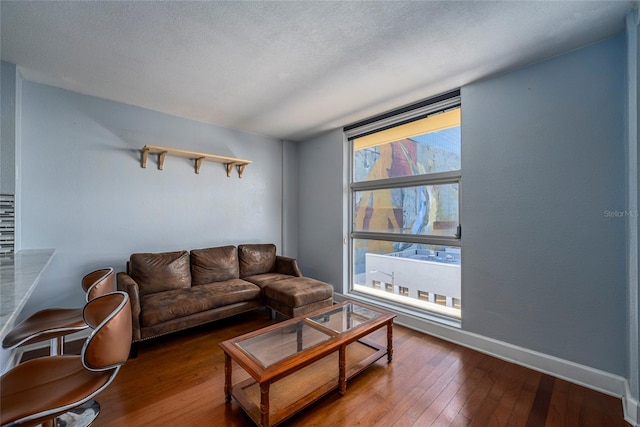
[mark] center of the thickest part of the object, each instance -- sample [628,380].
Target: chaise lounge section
[172,291]
[284,289]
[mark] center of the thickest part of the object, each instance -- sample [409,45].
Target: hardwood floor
[178,381]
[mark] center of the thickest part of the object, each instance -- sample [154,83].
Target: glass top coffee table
[289,365]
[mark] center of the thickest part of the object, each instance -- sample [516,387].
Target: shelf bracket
[161,156]
[199,163]
[143,161]
[229,167]
[240,168]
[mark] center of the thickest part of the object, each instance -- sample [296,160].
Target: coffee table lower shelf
[301,388]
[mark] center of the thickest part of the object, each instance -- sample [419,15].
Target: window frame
[430,107]
[437,178]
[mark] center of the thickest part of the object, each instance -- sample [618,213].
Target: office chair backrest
[109,344]
[99,282]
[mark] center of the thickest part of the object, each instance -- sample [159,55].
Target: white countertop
[19,275]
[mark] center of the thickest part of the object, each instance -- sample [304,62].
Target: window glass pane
[421,210]
[411,273]
[431,152]
[405,186]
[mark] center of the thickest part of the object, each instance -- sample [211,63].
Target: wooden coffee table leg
[264,404]
[342,365]
[227,378]
[389,341]
[299,337]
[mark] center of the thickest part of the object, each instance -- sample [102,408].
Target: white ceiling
[292,69]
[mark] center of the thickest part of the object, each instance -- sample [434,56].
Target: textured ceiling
[293,69]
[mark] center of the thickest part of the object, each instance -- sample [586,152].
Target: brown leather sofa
[172,291]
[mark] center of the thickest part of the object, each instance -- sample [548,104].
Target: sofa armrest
[286,265]
[128,285]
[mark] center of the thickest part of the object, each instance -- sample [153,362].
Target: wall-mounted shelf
[162,152]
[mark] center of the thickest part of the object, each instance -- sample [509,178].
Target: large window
[405,192]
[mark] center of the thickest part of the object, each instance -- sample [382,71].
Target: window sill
[403,309]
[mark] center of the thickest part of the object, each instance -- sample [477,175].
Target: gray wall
[633,161]
[321,208]
[84,193]
[289,246]
[543,159]
[543,163]
[634,280]
[8,127]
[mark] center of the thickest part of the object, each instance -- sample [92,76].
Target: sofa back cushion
[214,264]
[256,259]
[160,271]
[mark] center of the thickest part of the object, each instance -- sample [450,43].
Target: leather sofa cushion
[264,279]
[214,264]
[158,272]
[298,291]
[256,259]
[164,306]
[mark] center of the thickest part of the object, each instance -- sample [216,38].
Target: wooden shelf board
[198,157]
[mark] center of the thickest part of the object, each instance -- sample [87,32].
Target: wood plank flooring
[178,381]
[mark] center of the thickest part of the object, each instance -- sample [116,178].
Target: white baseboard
[631,407]
[595,379]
